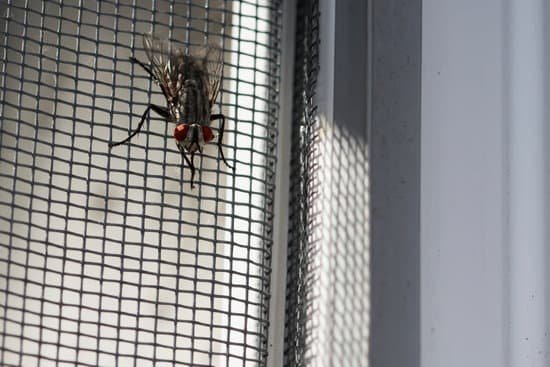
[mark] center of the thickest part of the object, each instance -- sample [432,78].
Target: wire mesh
[303,185]
[107,256]
[328,281]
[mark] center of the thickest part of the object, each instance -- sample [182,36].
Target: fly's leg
[150,72]
[162,111]
[220,116]
[145,67]
[192,166]
[189,163]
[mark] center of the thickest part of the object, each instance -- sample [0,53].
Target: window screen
[304,185]
[328,280]
[107,256]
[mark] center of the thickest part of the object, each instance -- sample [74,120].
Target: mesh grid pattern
[107,257]
[328,287]
[303,184]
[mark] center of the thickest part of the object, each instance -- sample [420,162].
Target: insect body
[190,84]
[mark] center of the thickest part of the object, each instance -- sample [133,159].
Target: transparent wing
[168,66]
[212,60]
[159,52]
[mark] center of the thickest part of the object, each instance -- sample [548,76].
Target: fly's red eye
[180,132]
[207,133]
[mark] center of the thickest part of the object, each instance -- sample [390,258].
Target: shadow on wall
[341,291]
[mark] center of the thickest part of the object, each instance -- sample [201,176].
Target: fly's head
[192,136]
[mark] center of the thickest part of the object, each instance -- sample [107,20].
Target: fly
[190,84]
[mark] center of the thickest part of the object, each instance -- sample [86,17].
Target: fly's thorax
[194,103]
[192,136]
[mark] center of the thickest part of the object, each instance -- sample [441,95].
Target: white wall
[483,196]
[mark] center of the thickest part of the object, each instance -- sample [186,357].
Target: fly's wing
[212,59]
[158,52]
[168,66]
